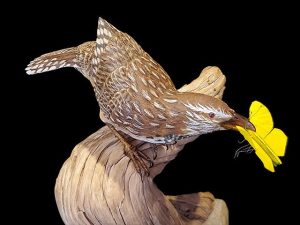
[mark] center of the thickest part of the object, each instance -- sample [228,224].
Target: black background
[253,45]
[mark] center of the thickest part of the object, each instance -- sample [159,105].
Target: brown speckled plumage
[135,94]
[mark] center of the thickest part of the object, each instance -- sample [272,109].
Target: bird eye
[211,115]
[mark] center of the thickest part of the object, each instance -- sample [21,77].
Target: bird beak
[238,120]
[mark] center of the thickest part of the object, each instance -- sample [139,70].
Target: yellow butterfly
[268,142]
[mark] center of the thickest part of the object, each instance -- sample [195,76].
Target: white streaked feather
[160,116]
[136,106]
[154,124]
[149,113]
[158,105]
[207,109]
[146,95]
[170,100]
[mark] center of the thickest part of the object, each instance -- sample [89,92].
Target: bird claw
[145,157]
[170,146]
[138,159]
[154,152]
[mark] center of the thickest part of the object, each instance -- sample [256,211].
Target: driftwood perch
[99,185]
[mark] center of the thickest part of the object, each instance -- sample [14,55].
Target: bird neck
[194,110]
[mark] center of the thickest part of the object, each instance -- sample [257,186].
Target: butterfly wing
[277,140]
[267,142]
[265,147]
[246,135]
[261,117]
[266,160]
[262,155]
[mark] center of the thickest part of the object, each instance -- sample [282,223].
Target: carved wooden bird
[136,96]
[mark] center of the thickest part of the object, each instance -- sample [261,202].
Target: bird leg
[154,150]
[137,157]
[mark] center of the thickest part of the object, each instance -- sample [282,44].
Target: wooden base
[98,184]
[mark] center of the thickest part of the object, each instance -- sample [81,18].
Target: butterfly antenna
[242,141]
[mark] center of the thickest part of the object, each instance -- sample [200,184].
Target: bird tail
[67,57]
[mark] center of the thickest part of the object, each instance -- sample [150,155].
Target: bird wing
[118,53]
[121,67]
[130,85]
[139,103]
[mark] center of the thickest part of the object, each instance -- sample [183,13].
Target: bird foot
[138,159]
[154,150]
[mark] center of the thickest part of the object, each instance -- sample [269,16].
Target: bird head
[207,114]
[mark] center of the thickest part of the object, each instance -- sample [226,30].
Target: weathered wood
[99,185]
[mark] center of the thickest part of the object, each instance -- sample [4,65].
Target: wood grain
[99,185]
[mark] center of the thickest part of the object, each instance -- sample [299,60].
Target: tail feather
[54,60]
